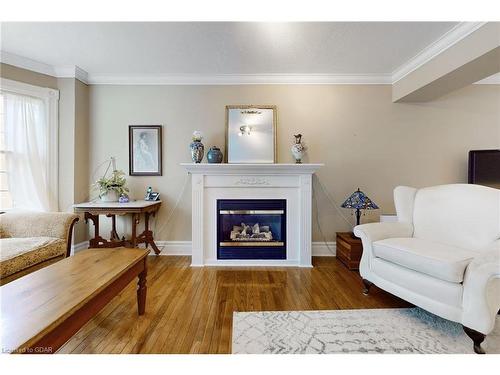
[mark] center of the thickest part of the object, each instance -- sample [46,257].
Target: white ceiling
[142,48]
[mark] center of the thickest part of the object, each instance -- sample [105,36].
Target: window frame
[51,99]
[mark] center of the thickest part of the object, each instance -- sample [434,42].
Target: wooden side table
[92,210]
[349,249]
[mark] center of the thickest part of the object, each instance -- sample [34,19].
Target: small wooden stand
[92,210]
[349,250]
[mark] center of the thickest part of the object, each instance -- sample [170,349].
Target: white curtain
[27,146]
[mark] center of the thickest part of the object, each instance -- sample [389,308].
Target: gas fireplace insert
[251,229]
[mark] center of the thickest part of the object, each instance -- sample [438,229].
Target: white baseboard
[174,247]
[319,249]
[322,249]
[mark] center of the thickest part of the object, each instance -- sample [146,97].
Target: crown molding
[26,63]
[456,34]
[242,79]
[71,71]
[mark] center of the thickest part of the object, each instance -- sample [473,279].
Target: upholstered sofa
[443,254]
[33,240]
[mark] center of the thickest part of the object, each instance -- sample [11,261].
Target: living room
[248,186]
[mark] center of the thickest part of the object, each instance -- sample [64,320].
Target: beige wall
[81,162]
[27,76]
[66,142]
[364,139]
[73,148]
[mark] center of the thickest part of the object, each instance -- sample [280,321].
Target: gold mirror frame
[275,128]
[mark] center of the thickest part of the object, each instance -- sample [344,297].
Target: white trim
[194,79]
[79,247]
[456,34]
[251,169]
[174,247]
[71,71]
[322,249]
[29,90]
[169,248]
[26,63]
[242,79]
[51,100]
[491,80]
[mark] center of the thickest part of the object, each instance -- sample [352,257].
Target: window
[5,196]
[28,147]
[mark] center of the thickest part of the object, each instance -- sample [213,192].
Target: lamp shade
[359,201]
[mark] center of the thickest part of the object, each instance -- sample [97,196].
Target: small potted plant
[111,188]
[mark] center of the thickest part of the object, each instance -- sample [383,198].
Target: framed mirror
[251,134]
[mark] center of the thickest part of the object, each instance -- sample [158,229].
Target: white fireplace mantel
[211,182]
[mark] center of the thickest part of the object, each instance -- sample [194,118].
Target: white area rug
[352,331]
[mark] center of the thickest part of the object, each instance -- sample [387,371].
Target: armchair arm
[481,299]
[372,232]
[378,231]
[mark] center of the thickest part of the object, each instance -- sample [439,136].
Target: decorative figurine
[123,198]
[298,149]
[197,148]
[214,155]
[148,193]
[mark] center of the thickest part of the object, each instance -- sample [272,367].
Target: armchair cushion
[444,262]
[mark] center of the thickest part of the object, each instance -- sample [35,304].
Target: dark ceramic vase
[214,155]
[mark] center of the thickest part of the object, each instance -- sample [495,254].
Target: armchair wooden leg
[367,284]
[477,338]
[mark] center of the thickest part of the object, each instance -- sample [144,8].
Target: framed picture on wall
[145,150]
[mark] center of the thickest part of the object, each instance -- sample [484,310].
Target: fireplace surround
[212,184]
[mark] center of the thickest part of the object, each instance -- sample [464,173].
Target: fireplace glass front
[251,229]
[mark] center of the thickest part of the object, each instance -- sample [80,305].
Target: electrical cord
[172,211]
[334,204]
[89,198]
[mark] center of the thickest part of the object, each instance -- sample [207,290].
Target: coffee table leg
[141,291]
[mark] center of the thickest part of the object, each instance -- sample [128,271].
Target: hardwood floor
[189,310]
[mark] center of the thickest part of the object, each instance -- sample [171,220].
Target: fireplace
[251,229]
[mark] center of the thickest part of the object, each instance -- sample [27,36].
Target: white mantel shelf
[211,182]
[225,168]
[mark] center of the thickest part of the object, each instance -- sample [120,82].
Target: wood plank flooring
[189,310]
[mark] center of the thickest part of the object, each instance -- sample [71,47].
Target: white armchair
[442,255]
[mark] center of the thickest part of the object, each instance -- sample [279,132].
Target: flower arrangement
[197,136]
[116,182]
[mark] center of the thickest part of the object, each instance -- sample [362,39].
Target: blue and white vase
[197,148]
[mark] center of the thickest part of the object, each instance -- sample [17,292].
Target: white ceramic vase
[110,196]
[298,149]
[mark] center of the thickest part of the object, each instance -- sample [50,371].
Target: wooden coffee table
[42,310]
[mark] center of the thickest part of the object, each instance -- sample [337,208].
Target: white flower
[197,135]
